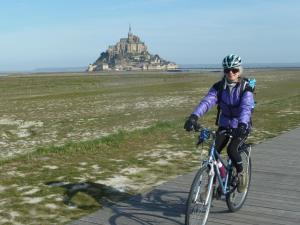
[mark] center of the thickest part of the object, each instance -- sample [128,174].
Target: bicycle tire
[196,210]
[234,199]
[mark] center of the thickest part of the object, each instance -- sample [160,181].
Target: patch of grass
[72,165]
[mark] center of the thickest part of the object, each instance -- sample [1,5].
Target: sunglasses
[233,70]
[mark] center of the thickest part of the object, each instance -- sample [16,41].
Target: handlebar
[206,133]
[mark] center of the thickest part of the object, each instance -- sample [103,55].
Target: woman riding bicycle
[235,100]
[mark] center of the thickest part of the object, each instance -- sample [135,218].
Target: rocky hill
[130,54]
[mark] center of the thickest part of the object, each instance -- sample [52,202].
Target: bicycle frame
[214,156]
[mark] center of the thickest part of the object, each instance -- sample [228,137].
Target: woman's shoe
[242,182]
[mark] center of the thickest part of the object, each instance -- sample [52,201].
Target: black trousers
[232,148]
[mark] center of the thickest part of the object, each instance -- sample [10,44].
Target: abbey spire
[130,35]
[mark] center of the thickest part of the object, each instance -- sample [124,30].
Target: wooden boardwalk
[274,196]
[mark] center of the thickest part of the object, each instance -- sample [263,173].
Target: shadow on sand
[100,193]
[160,206]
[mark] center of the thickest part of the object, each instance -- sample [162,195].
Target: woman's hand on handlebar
[192,124]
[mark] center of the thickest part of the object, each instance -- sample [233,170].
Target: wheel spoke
[197,211]
[234,199]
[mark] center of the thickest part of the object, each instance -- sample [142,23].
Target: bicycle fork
[210,184]
[209,189]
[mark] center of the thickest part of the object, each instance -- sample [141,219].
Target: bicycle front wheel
[234,199]
[200,197]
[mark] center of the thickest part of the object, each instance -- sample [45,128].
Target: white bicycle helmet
[232,61]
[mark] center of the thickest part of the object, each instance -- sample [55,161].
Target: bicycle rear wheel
[234,199]
[200,197]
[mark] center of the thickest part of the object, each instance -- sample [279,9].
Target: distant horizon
[181,66]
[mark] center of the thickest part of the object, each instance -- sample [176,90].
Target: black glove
[240,131]
[191,123]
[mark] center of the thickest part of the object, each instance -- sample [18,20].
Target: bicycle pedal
[219,193]
[234,181]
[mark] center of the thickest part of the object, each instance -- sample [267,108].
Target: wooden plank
[274,195]
[256,217]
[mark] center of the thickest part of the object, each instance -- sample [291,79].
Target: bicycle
[209,183]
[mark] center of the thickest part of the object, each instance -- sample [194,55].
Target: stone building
[130,54]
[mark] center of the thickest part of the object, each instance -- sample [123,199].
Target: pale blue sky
[71,33]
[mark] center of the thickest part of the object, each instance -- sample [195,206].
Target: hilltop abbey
[130,54]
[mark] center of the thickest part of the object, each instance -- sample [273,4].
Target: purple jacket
[233,109]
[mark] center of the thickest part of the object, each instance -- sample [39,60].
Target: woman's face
[232,74]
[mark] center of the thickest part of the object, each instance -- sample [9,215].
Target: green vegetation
[71,142]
